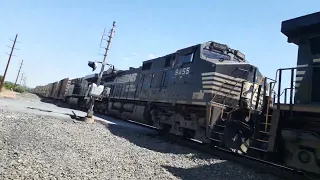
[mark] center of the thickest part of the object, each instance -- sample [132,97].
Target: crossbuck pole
[89,118]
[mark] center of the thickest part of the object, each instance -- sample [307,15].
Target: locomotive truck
[211,93]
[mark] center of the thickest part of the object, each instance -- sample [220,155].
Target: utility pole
[21,79]
[5,72]
[89,118]
[15,83]
[24,82]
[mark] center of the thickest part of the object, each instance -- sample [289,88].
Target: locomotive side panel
[173,92]
[172,78]
[124,85]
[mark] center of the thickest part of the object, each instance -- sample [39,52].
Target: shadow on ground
[58,103]
[43,110]
[221,170]
[139,135]
[149,138]
[72,116]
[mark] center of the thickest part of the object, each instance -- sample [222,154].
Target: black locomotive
[211,93]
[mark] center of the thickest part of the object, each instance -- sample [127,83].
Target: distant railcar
[56,90]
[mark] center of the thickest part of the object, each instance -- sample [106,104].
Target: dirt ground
[7,94]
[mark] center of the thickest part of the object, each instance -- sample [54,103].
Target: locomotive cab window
[184,59]
[216,51]
[169,59]
[146,66]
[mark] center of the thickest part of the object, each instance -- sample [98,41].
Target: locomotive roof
[307,24]
[90,76]
[157,58]
[185,49]
[169,54]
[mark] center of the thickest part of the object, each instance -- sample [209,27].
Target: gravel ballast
[41,147]
[27,96]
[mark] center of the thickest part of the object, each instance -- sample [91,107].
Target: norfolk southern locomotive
[209,92]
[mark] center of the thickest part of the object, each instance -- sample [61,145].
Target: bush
[18,88]
[8,85]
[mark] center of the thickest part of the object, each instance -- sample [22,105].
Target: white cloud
[151,56]
[136,54]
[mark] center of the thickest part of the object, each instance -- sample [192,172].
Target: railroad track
[256,164]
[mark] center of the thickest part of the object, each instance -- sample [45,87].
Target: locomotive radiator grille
[221,84]
[229,86]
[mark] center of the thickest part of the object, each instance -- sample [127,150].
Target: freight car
[56,90]
[74,90]
[211,93]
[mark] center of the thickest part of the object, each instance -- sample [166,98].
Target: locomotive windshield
[221,52]
[215,54]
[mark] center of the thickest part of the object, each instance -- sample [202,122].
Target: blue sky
[59,37]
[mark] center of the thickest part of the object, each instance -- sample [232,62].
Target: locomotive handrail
[301,66]
[280,70]
[285,94]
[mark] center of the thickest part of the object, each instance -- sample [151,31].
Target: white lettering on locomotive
[182,71]
[126,78]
